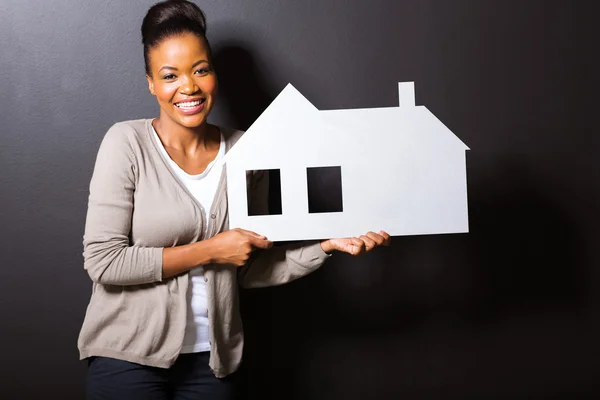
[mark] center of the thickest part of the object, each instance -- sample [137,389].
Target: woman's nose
[189,86]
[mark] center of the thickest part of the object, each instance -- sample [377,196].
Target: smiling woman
[163,321]
[181,76]
[184,82]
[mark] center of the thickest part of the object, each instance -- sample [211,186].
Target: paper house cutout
[402,170]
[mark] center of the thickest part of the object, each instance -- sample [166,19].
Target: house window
[324,189]
[274,192]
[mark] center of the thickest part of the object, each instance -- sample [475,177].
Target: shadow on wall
[242,90]
[524,255]
[243,93]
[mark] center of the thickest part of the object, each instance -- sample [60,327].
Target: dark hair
[171,18]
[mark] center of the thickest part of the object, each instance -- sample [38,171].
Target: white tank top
[203,187]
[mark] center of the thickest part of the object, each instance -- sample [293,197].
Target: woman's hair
[171,18]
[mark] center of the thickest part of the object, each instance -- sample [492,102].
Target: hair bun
[168,15]
[169,18]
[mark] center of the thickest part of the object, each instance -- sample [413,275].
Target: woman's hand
[357,245]
[235,246]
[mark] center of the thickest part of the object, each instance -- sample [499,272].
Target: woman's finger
[387,237]
[359,246]
[253,234]
[369,243]
[376,238]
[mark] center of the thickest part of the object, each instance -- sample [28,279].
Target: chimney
[406,93]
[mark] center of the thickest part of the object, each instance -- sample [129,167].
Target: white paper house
[402,170]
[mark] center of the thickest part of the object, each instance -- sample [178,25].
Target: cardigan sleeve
[108,256]
[279,264]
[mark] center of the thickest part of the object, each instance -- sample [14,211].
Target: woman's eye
[203,71]
[169,77]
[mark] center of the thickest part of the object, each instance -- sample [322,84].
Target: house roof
[290,108]
[289,105]
[415,125]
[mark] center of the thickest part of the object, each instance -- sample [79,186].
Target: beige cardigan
[137,206]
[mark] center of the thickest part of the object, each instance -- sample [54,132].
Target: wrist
[326,246]
[205,252]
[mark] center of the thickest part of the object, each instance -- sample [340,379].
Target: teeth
[189,104]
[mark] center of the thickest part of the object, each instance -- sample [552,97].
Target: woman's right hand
[235,246]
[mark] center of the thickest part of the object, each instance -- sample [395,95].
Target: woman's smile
[190,106]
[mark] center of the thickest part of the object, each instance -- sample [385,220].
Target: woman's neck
[183,139]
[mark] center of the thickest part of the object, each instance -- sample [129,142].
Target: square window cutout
[324,189]
[274,207]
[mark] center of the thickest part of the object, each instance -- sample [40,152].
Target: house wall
[508,311]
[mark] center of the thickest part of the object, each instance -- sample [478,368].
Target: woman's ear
[150,85]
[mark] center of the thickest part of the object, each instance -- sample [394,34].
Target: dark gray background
[508,311]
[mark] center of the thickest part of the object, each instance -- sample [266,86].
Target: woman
[163,321]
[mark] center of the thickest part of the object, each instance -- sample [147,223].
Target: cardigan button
[213,216]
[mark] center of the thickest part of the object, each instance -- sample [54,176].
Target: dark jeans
[189,378]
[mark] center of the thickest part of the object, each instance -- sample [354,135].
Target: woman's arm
[286,263]
[108,257]
[281,264]
[233,247]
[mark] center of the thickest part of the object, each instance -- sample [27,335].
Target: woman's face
[183,79]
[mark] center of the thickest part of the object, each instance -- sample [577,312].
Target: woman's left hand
[357,245]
